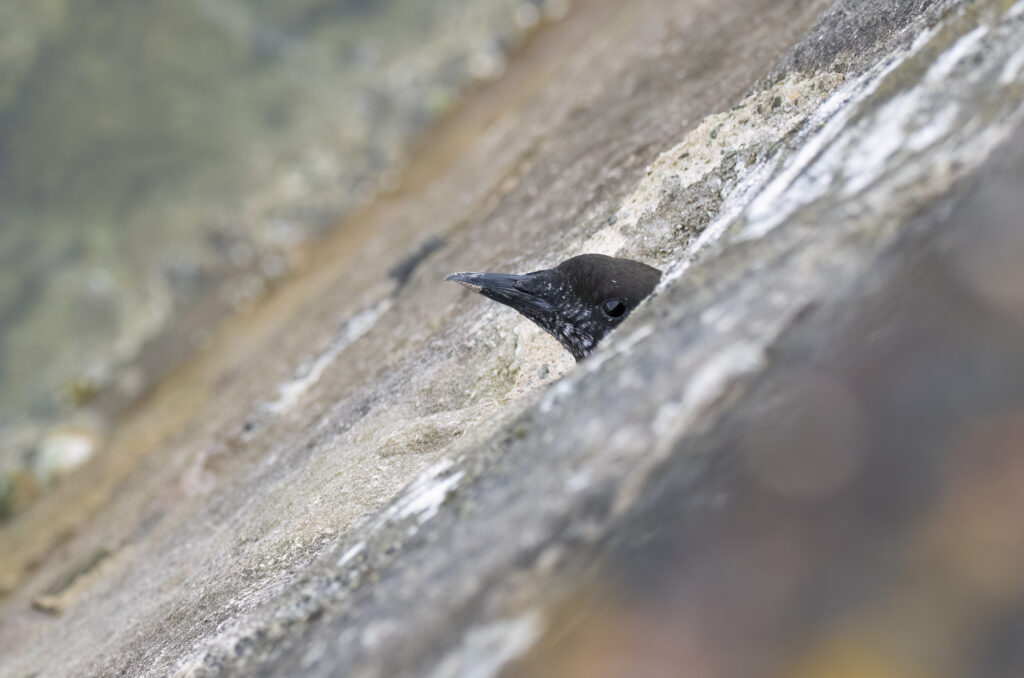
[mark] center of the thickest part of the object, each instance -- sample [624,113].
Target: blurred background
[164,163]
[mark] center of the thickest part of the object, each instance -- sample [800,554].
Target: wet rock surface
[800,457]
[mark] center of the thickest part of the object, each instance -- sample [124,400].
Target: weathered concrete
[756,474]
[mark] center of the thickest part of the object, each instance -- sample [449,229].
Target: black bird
[578,302]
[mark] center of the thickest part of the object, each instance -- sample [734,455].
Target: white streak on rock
[892,127]
[424,497]
[1014,65]
[949,59]
[732,208]
[485,650]
[799,183]
[351,553]
[358,325]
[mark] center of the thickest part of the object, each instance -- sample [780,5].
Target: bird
[577,302]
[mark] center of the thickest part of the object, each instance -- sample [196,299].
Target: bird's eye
[613,308]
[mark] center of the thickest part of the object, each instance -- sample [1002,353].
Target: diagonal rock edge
[810,214]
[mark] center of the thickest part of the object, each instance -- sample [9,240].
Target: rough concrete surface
[800,457]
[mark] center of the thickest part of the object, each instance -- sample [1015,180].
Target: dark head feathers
[578,302]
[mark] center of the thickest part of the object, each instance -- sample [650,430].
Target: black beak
[506,289]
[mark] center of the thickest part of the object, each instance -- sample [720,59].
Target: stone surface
[153,183]
[800,457]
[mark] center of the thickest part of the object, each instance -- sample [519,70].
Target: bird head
[578,302]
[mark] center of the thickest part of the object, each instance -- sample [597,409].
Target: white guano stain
[1013,67]
[948,60]
[851,155]
[351,553]
[486,650]
[358,325]
[870,156]
[424,497]
[756,189]
[896,126]
[799,183]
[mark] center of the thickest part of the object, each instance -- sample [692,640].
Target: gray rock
[801,455]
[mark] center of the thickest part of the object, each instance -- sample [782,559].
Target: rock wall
[153,183]
[801,456]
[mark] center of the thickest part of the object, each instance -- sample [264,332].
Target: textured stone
[801,456]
